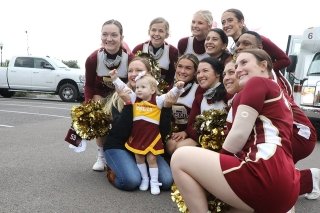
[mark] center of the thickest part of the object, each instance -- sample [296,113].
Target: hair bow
[140,75]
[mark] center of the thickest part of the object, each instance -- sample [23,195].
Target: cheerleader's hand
[180,85]
[178,136]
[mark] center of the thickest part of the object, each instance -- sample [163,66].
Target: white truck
[304,72]
[42,75]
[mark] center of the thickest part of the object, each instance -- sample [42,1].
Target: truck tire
[68,93]
[316,124]
[80,98]
[7,94]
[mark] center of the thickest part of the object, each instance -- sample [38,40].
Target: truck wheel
[316,124]
[7,94]
[68,92]
[80,98]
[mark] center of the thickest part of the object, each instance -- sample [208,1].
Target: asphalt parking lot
[39,173]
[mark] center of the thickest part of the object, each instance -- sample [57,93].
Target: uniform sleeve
[176,91]
[162,98]
[90,75]
[255,93]
[279,58]
[173,56]
[137,48]
[195,110]
[130,57]
[118,83]
[182,45]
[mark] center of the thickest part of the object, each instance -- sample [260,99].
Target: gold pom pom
[89,120]
[176,197]
[163,86]
[210,126]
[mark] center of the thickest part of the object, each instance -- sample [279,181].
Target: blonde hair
[113,100]
[206,14]
[151,80]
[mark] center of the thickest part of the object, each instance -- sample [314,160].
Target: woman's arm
[251,101]
[165,122]
[195,110]
[90,75]
[171,96]
[241,128]
[182,45]
[121,125]
[139,47]
[173,56]
[279,58]
[121,87]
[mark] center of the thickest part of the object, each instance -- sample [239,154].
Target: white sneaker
[144,186]
[100,165]
[315,194]
[292,210]
[155,189]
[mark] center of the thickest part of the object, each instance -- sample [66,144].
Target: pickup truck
[42,75]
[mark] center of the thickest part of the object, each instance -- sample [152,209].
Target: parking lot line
[2,125]
[31,113]
[34,106]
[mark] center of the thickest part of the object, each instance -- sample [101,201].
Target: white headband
[140,75]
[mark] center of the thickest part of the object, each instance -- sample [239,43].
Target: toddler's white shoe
[100,165]
[315,194]
[144,184]
[155,189]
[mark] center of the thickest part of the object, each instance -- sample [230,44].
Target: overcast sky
[70,29]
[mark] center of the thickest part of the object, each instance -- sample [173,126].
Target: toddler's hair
[151,80]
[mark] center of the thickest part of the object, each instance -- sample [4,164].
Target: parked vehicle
[304,72]
[43,75]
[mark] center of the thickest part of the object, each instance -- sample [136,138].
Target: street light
[1,47]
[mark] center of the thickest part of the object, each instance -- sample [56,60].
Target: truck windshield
[314,68]
[59,63]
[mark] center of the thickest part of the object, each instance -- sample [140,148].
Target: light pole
[27,42]
[1,47]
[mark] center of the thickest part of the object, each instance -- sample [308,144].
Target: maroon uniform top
[274,123]
[304,134]
[166,60]
[265,162]
[94,83]
[197,47]
[280,61]
[279,58]
[200,104]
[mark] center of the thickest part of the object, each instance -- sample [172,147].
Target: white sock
[143,170]
[100,152]
[315,179]
[154,174]
[154,183]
